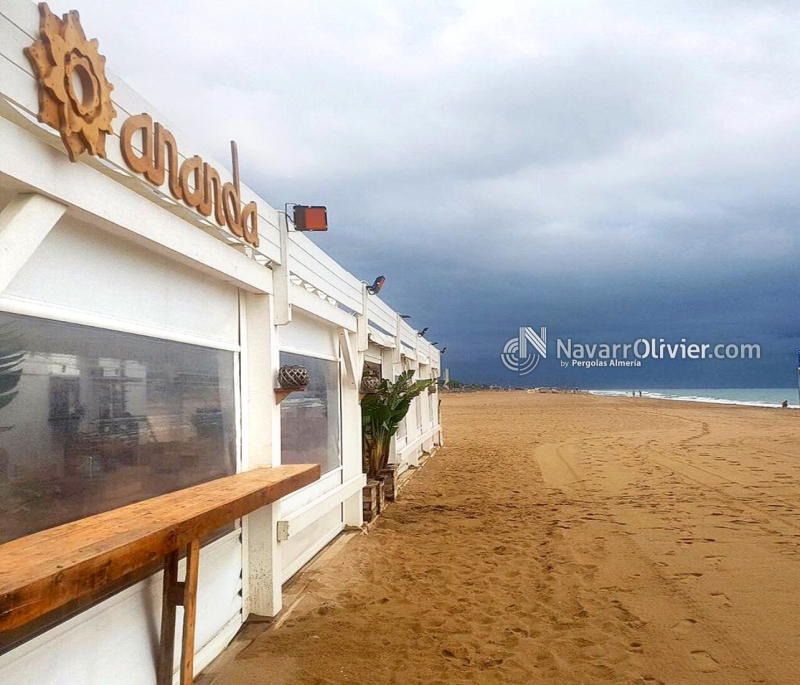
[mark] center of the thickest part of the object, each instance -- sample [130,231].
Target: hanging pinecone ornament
[293,377]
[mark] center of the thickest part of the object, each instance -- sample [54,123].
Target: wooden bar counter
[46,570]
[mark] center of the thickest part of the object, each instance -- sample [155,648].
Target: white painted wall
[125,257]
[127,283]
[115,642]
[129,289]
[309,335]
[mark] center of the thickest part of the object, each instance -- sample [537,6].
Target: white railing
[382,315]
[315,267]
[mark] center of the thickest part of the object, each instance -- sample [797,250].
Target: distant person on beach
[785,404]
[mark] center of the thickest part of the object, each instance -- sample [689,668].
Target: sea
[756,397]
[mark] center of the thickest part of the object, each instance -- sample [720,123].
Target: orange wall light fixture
[310,218]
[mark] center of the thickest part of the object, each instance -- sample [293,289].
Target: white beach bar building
[148,299]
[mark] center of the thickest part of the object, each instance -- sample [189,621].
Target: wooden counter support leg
[166,651]
[175,594]
[189,611]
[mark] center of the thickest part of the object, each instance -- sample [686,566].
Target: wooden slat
[166,648]
[190,612]
[44,571]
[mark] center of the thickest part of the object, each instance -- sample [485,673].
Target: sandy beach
[564,539]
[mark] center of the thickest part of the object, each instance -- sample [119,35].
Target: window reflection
[310,420]
[99,419]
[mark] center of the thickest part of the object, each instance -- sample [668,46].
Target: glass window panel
[310,424]
[92,420]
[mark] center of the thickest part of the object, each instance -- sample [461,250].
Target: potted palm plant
[381,414]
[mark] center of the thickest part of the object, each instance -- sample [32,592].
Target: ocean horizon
[756,397]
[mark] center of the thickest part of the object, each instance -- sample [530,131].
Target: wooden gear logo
[74,94]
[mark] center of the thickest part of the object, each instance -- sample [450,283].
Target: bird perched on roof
[375,288]
[423,331]
[443,350]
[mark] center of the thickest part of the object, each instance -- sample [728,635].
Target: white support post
[387,363]
[352,462]
[425,409]
[397,369]
[393,450]
[398,348]
[387,372]
[280,276]
[363,320]
[413,436]
[264,567]
[24,224]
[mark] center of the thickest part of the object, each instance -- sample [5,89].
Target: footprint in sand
[687,576]
[721,598]
[684,627]
[704,662]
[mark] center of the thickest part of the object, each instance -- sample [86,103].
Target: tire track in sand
[672,625]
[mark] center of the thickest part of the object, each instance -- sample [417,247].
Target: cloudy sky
[610,170]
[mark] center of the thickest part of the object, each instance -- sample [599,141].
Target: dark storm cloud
[605,169]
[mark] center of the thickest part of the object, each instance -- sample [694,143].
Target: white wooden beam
[311,303]
[24,224]
[351,359]
[102,202]
[280,277]
[301,519]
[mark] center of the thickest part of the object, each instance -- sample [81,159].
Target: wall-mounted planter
[370,385]
[291,378]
